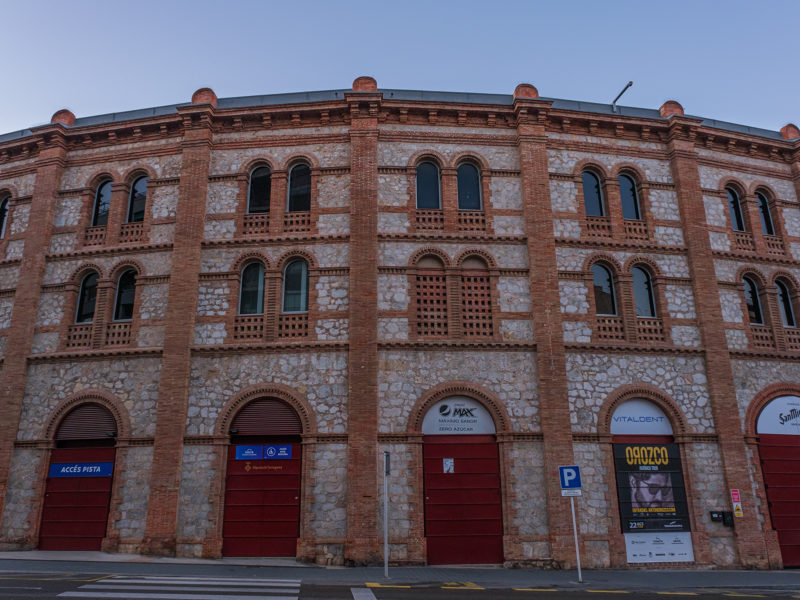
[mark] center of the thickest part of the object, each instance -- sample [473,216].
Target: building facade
[215,318]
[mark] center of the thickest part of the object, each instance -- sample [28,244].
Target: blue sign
[249,452]
[570,477]
[103,469]
[281,452]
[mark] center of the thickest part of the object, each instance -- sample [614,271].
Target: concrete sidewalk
[485,576]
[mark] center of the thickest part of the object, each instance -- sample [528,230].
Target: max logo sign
[446,411]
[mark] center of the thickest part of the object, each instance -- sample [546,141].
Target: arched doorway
[262,487]
[653,510]
[79,477]
[778,430]
[463,501]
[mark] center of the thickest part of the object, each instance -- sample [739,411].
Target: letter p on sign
[570,477]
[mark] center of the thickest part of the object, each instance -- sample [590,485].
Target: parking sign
[570,477]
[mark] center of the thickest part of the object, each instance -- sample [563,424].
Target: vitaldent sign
[457,415]
[781,416]
[639,417]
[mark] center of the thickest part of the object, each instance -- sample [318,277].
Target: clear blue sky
[730,60]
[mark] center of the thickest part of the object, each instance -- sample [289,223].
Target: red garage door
[780,464]
[75,512]
[463,513]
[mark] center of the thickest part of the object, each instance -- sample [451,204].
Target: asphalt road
[105,586]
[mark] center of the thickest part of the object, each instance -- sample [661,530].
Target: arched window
[251,290]
[300,188]
[3,215]
[431,291]
[138,200]
[469,187]
[476,299]
[87,296]
[259,192]
[295,286]
[126,294]
[428,189]
[763,212]
[604,299]
[592,195]
[629,197]
[752,301]
[785,303]
[643,293]
[735,208]
[102,202]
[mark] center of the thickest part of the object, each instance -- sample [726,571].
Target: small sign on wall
[736,500]
[448,465]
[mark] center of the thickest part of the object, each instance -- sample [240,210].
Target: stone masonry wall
[529,503]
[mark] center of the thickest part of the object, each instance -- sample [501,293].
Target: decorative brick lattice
[610,328]
[774,245]
[471,220]
[792,339]
[598,226]
[431,304]
[744,241]
[430,219]
[118,334]
[650,330]
[297,221]
[256,224]
[476,306]
[94,236]
[79,336]
[762,336]
[293,325]
[636,229]
[131,232]
[248,328]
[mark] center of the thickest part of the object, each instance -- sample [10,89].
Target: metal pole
[575,533]
[386,515]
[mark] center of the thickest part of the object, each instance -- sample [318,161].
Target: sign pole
[386,469]
[575,533]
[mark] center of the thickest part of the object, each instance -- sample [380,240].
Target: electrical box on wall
[723,516]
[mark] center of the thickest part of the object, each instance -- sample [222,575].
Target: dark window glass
[469,187]
[300,188]
[126,293]
[428,186]
[258,199]
[137,201]
[735,208]
[102,202]
[86,299]
[604,300]
[251,294]
[643,293]
[766,217]
[3,217]
[592,195]
[295,287]
[785,303]
[629,198]
[753,303]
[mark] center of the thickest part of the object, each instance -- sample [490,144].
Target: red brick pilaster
[173,386]
[546,310]
[50,164]
[749,539]
[362,545]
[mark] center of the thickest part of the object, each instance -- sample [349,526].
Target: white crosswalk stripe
[129,587]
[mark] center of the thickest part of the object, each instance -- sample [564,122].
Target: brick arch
[648,392]
[630,169]
[601,257]
[299,157]
[789,277]
[248,166]
[754,272]
[83,270]
[250,256]
[592,165]
[641,259]
[138,171]
[428,250]
[96,396]
[272,390]
[469,156]
[728,181]
[9,189]
[764,188]
[764,397]
[489,400]
[124,265]
[480,253]
[93,181]
[432,155]
[287,256]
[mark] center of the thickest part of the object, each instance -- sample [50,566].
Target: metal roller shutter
[266,416]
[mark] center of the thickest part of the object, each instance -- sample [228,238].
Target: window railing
[94,236]
[649,330]
[293,325]
[131,232]
[744,241]
[255,224]
[429,219]
[471,220]
[80,335]
[636,229]
[774,245]
[610,328]
[598,226]
[118,334]
[762,336]
[299,221]
[248,328]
